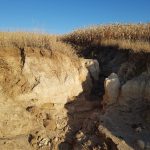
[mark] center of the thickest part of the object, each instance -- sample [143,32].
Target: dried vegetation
[128,36]
[23,40]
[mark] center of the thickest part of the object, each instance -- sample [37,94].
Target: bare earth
[51,100]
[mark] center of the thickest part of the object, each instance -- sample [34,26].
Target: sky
[63,16]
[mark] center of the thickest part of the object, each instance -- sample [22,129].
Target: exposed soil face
[124,115]
[59,104]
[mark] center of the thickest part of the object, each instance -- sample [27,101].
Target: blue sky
[62,16]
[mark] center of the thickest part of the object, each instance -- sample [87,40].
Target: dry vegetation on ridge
[128,36]
[36,40]
[26,39]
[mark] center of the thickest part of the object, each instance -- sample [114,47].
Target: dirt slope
[52,98]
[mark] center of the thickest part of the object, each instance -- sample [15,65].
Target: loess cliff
[89,89]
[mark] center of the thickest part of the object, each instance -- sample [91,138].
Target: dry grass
[36,40]
[25,39]
[129,36]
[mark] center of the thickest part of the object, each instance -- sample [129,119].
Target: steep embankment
[38,76]
[123,53]
[89,89]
